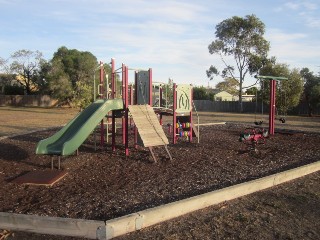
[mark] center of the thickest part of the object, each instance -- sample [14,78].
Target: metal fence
[248,107]
[201,105]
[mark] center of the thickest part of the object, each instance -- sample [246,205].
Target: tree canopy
[242,39]
[201,93]
[229,85]
[71,76]
[26,65]
[288,92]
[311,89]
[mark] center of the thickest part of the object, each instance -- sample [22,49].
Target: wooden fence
[27,100]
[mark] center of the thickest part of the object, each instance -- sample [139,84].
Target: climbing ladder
[150,130]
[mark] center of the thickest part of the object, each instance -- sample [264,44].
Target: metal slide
[71,136]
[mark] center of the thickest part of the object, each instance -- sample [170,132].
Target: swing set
[255,136]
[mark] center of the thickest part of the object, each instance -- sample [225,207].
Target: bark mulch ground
[102,185]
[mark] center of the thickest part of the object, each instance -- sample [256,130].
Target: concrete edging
[136,221]
[53,225]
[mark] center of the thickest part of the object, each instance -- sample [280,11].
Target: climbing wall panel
[150,130]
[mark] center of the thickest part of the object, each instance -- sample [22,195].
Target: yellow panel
[184,98]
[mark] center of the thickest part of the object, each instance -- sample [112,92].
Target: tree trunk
[240,94]
[310,108]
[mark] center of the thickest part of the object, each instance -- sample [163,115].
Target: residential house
[248,98]
[222,95]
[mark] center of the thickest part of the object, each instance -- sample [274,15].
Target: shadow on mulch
[11,152]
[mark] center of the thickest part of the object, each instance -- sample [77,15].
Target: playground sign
[184,98]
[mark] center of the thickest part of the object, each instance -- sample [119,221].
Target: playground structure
[255,136]
[181,111]
[148,132]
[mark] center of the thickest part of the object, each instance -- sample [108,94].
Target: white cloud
[295,49]
[306,9]
[292,5]
[277,35]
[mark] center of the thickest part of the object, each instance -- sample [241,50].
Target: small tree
[71,77]
[251,91]
[59,84]
[26,65]
[200,93]
[229,85]
[242,39]
[311,91]
[288,93]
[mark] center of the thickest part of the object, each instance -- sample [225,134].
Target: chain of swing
[283,106]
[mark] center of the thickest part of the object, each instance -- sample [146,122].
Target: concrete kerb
[136,221]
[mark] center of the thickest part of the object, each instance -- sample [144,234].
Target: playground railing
[198,123]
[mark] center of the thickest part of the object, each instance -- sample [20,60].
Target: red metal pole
[126,103]
[174,138]
[113,78]
[191,122]
[124,97]
[272,107]
[101,96]
[113,123]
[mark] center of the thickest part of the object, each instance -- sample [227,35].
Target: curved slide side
[71,136]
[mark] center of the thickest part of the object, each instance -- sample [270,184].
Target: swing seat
[282,120]
[258,123]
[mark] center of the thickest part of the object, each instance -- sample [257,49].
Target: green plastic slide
[71,136]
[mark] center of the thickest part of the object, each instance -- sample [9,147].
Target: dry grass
[19,120]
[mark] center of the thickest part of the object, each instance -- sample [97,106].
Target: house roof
[215,91]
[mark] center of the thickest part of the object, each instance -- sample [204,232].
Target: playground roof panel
[271,77]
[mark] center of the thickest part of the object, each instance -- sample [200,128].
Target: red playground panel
[46,177]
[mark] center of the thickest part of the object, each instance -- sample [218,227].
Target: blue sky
[170,36]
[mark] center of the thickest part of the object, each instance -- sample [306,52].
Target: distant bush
[13,90]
